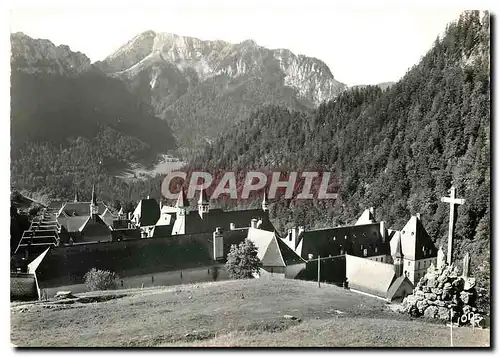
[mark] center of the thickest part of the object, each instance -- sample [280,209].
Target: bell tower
[397,256]
[265,206]
[203,203]
[182,204]
[94,209]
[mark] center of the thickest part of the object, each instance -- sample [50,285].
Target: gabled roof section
[416,243]
[108,217]
[162,231]
[395,243]
[148,212]
[80,208]
[366,217]
[369,276]
[396,284]
[36,262]
[271,250]
[73,224]
[351,239]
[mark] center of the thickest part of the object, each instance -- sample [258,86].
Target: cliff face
[201,87]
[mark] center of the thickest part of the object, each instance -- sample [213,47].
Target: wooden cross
[452,201]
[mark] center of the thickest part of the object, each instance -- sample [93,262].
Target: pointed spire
[203,197]
[182,201]
[265,206]
[93,199]
[398,252]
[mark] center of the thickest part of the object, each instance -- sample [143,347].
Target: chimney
[418,216]
[232,226]
[253,223]
[218,241]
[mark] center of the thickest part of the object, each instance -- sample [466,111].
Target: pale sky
[360,46]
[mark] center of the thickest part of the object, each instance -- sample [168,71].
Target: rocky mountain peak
[40,55]
[310,77]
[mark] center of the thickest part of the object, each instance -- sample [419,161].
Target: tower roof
[398,252]
[203,197]
[416,243]
[93,200]
[182,201]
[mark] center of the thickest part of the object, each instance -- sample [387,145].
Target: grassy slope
[215,314]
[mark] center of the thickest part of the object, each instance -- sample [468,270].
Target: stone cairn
[442,294]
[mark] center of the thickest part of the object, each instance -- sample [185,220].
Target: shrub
[242,261]
[100,280]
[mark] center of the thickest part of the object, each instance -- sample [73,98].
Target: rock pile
[442,292]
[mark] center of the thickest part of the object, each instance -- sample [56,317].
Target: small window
[365,252]
[376,249]
[345,237]
[408,263]
[334,238]
[310,256]
[412,233]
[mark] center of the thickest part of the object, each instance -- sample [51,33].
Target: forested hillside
[398,150]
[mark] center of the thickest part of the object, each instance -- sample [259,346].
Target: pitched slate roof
[95,230]
[219,218]
[366,217]
[416,243]
[73,223]
[396,285]
[107,217]
[350,239]
[81,208]
[271,250]
[369,276]
[148,211]
[395,244]
[161,231]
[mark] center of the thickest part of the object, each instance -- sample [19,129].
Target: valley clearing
[245,313]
